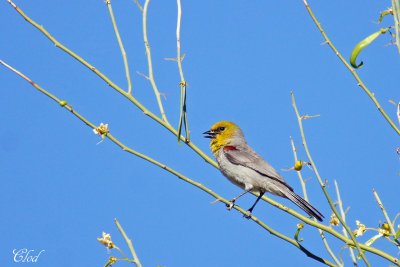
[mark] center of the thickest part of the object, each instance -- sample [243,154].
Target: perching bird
[246,169]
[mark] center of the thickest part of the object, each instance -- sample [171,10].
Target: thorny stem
[150,63]
[178,41]
[114,86]
[396,16]
[130,245]
[299,119]
[353,72]
[183,84]
[120,251]
[388,221]
[139,6]
[302,183]
[303,186]
[340,204]
[121,46]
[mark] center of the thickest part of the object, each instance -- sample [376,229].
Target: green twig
[340,204]
[139,6]
[150,63]
[120,251]
[330,230]
[114,86]
[183,84]
[129,242]
[121,46]
[302,183]
[182,115]
[353,72]
[299,119]
[396,15]
[303,186]
[389,222]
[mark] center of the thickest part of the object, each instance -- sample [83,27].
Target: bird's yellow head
[223,133]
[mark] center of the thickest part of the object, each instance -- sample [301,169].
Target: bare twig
[396,15]
[183,84]
[303,186]
[130,245]
[353,72]
[388,221]
[299,119]
[137,3]
[340,204]
[113,85]
[121,46]
[150,63]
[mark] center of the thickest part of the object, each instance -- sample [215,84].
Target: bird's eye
[221,129]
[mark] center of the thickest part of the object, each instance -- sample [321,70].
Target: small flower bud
[298,165]
[334,220]
[102,129]
[384,229]
[106,240]
[360,229]
[112,260]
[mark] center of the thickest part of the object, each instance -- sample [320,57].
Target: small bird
[245,168]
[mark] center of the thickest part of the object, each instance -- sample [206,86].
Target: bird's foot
[230,205]
[247,215]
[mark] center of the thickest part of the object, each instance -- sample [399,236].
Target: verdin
[245,168]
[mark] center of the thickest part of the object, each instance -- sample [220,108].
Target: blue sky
[243,58]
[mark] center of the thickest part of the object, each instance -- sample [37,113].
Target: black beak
[210,134]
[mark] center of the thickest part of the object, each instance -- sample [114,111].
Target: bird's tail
[304,205]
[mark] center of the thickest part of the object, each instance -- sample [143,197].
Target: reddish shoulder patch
[229,148]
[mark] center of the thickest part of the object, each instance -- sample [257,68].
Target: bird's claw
[247,215]
[230,205]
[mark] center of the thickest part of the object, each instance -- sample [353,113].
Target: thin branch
[340,204]
[137,3]
[33,84]
[302,183]
[114,86]
[183,114]
[396,16]
[299,119]
[123,254]
[183,84]
[130,245]
[121,46]
[150,63]
[388,221]
[353,72]
[303,186]
[330,230]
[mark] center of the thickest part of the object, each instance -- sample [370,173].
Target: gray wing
[252,160]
